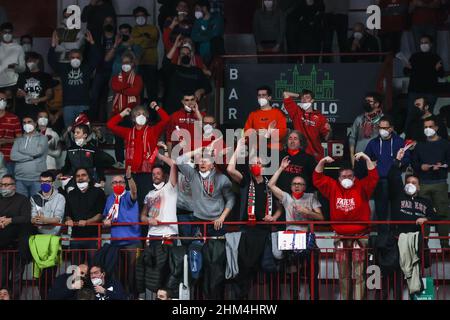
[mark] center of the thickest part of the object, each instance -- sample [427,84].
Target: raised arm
[273,181]
[231,169]
[173,178]
[131,184]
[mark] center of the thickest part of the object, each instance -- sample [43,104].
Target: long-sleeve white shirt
[11,53]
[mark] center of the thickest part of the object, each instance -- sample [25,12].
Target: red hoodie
[313,125]
[348,204]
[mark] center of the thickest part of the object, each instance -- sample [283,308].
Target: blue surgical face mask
[46,187]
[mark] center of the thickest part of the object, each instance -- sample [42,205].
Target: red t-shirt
[313,125]
[348,204]
[10,128]
[184,120]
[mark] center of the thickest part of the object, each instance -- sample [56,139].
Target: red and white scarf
[118,99]
[251,203]
[113,213]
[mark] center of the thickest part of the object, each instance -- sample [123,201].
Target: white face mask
[140,21]
[3,104]
[26,47]
[43,122]
[208,129]
[141,120]
[126,68]
[305,105]
[198,14]
[429,132]
[159,186]
[358,35]
[205,174]
[187,108]
[347,183]
[410,189]
[75,63]
[268,5]
[263,102]
[31,65]
[96,281]
[79,142]
[7,37]
[82,185]
[28,128]
[425,47]
[384,133]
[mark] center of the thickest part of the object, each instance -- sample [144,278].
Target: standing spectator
[335,20]
[68,39]
[424,70]
[207,31]
[196,59]
[387,151]
[12,60]
[75,78]
[26,41]
[140,143]
[312,124]
[214,198]
[182,77]
[304,27]
[34,88]
[84,206]
[431,160]
[365,128]
[421,112]
[362,42]
[15,217]
[146,36]
[300,163]
[123,44]
[10,129]
[106,288]
[94,15]
[55,106]
[424,19]
[54,146]
[122,207]
[267,120]
[394,20]
[349,201]
[179,24]
[29,152]
[127,86]
[166,10]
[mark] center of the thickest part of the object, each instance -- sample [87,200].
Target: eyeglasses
[7,184]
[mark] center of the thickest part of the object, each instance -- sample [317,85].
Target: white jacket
[54,151]
[11,53]
[408,245]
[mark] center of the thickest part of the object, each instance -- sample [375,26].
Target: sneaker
[119,165]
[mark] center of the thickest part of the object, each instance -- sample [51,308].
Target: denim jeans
[70,113]
[28,188]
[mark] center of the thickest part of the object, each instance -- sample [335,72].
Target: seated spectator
[29,153]
[106,288]
[312,124]
[420,113]
[160,203]
[267,120]
[13,58]
[124,43]
[431,159]
[182,77]
[4,294]
[269,28]
[122,207]
[61,290]
[84,206]
[34,88]
[362,42]
[207,31]
[179,24]
[299,206]
[146,35]
[140,143]
[424,19]
[163,294]
[10,129]
[15,217]
[26,41]
[75,78]
[54,145]
[94,14]
[67,40]
[424,70]
[394,20]
[349,201]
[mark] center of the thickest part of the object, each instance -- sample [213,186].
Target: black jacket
[152,267]
[214,263]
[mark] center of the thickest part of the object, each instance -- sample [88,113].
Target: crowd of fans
[52,164]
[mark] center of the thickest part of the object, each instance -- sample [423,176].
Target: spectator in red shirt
[349,201]
[127,86]
[10,128]
[394,19]
[179,24]
[140,143]
[424,18]
[311,123]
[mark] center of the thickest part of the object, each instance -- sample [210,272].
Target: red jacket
[152,137]
[348,204]
[313,125]
[128,94]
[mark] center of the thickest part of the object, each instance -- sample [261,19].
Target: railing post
[99,236]
[311,276]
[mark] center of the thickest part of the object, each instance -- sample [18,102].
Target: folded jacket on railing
[46,252]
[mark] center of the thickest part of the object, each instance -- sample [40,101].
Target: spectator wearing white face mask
[269,27]
[12,57]
[362,42]
[54,147]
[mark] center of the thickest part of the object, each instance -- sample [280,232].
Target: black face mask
[185,60]
[108,28]
[125,38]
[367,107]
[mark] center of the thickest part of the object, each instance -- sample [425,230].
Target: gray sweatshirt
[269,26]
[29,152]
[207,206]
[53,207]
